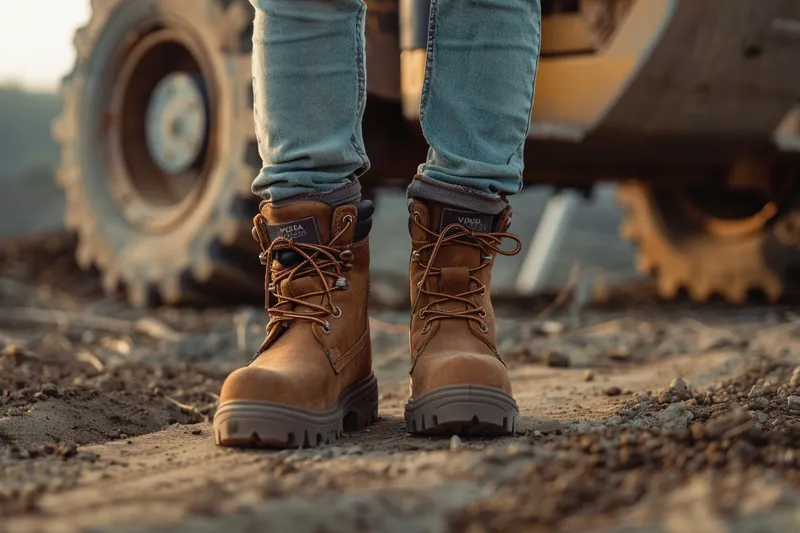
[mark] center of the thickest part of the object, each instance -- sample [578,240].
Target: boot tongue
[473,221]
[441,215]
[305,222]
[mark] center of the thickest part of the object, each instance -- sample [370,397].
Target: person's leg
[312,377]
[476,106]
[309,83]
[477,99]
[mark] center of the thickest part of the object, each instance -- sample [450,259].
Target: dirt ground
[638,416]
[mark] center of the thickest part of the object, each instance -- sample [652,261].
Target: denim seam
[533,92]
[429,58]
[360,97]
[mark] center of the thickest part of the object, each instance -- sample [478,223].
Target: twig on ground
[88,357]
[157,329]
[66,320]
[563,294]
[186,407]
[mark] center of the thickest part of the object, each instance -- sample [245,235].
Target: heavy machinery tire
[732,252]
[158,148]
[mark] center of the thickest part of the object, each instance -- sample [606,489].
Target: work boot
[459,382]
[312,378]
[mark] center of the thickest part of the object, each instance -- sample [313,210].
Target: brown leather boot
[459,382]
[312,378]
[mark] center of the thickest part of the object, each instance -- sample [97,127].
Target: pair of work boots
[312,378]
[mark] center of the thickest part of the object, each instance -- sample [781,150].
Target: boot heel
[361,405]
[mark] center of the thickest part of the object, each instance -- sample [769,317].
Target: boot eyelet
[483,291]
[482,313]
[426,328]
[415,256]
[336,312]
[326,329]
[416,216]
[422,314]
[346,256]
[484,328]
[348,219]
[341,283]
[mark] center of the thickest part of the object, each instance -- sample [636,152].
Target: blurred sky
[36,40]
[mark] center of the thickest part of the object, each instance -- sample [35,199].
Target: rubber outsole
[272,425]
[468,410]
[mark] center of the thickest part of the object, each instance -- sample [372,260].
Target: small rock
[612,391]
[619,353]
[123,436]
[678,385]
[794,403]
[794,382]
[642,398]
[758,404]
[197,432]
[456,443]
[675,416]
[67,449]
[548,327]
[537,433]
[40,396]
[757,392]
[556,359]
[588,375]
[51,390]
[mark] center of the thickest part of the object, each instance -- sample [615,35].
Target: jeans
[309,82]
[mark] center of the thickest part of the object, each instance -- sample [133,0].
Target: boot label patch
[477,222]
[303,230]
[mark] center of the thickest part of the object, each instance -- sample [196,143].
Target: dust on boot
[312,378]
[459,382]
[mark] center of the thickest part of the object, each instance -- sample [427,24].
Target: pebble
[757,392]
[197,432]
[456,443]
[67,449]
[619,353]
[588,375]
[40,396]
[556,359]
[537,433]
[675,416]
[549,327]
[795,381]
[794,403]
[50,390]
[612,391]
[678,384]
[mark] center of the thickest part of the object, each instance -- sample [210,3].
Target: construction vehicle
[690,105]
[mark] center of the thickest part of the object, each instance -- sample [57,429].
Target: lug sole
[468,410]
[272,425]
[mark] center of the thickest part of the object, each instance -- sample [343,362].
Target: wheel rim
[160,158]
[725,212]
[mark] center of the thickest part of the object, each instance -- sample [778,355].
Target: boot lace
[327,262]
[456,234]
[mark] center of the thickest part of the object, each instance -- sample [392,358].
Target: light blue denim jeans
[309,82]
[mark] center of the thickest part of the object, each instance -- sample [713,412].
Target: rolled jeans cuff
[425,188]
[348,193]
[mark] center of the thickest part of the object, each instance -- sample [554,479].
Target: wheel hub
[176,122]
[161,129]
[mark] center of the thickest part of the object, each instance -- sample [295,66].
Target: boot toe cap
[456,368]
[264,385]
